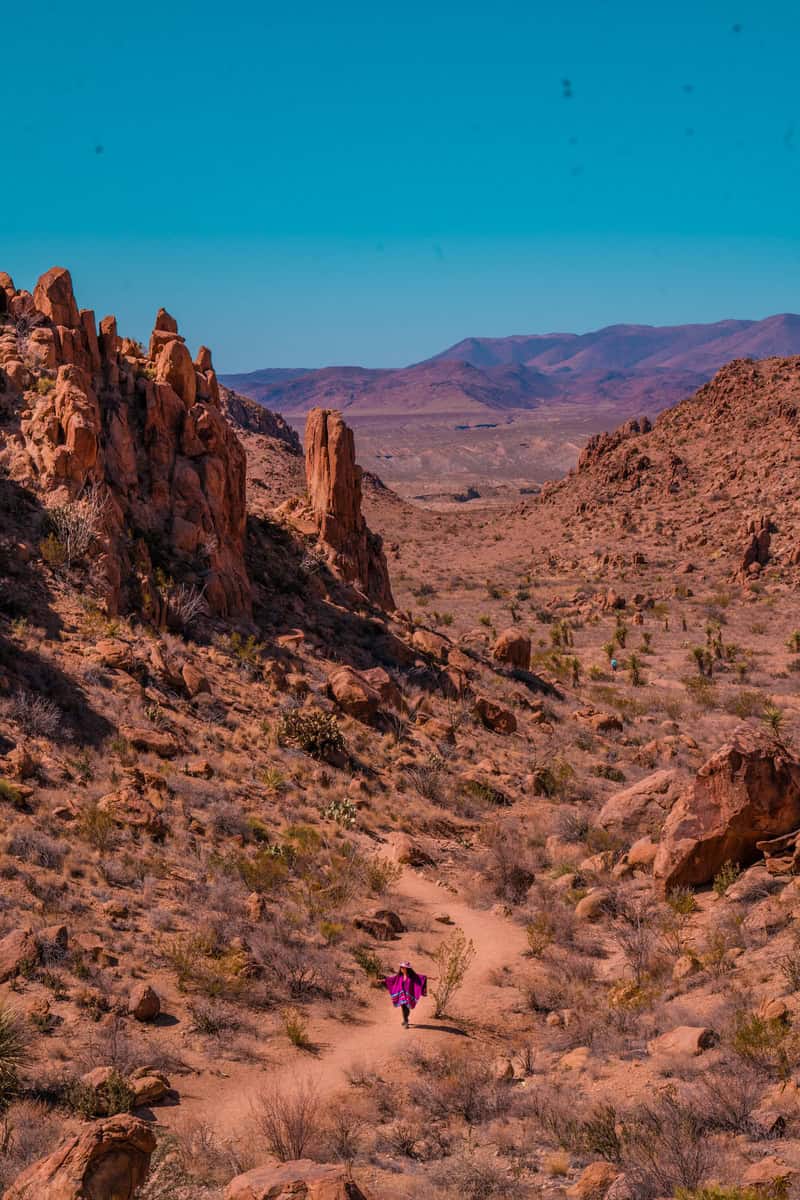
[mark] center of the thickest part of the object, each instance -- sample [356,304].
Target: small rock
[144,1003]
[592,905]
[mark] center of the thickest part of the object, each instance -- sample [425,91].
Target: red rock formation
[146,433]
[334,488]
[111,1158]
[747,792]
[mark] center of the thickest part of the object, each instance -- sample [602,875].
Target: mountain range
[640,367]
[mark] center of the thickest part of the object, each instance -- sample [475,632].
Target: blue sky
[368,183]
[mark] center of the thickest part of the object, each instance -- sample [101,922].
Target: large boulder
[642,807]
[109,1161]
[300,1180]
[747,792]
[513,648]
[493,716]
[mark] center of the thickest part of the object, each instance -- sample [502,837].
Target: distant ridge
[646,365]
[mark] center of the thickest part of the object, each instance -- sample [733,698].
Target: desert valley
[270,727]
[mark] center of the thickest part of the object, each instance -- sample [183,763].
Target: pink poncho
[406,989]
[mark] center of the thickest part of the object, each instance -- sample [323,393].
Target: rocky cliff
[137,437]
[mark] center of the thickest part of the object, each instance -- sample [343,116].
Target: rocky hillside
[546,754]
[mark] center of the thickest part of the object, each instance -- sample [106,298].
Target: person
[406,988]
[614,664]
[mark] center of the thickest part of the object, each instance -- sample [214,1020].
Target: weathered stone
[19,950]
[144,1002]
[514,648]
[686,1041]
[353,694]
[747,792]
[494,716]
[300,1180]
[642,806]
[109,1161]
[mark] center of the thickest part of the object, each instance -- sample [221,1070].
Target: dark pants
[405,1010]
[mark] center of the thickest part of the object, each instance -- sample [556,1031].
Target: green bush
[112,1097]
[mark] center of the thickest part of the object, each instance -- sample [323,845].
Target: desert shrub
[682,901]
[369,962]
[745,704]
[201,964]
[36,715]
[314,731]
[97,826]
[9,794]
[29,1130]
[12,1054]
[227,820]
[460,1085]
[553,780]
[606,771]
[114,1096]
[33,847]
[728,1095]
[702,691]
[263,871]
[289,1122]
[427,779]
[777,1190]
[381,874]
[509,861]
[665,1146]
[184,603]
[565,1124]
[727,875]
[768,1044]
[637,935]
[211,1018]
[477,1179]
[295,1026]
[73,527]
[453,957]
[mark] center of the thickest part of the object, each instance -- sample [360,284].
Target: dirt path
[376,1037]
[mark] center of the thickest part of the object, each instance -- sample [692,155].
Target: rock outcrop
[333,480]
[142,434]
[110,1160]
[514,648]
[747,792]
[300,1180]
[757,547]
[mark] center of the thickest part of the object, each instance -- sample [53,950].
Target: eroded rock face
[334,488]
[144,432]
[747,792]
[110,1160]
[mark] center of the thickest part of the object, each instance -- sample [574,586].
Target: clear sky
[314,183]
